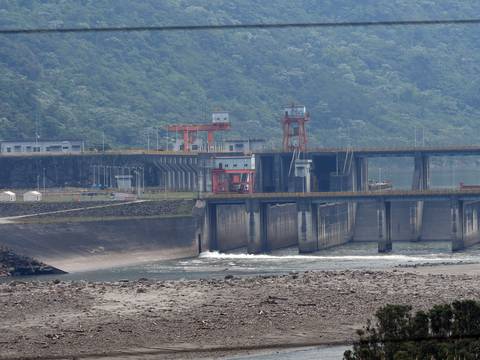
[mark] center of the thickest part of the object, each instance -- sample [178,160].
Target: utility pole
[158,146]
[166,141]
[103,141]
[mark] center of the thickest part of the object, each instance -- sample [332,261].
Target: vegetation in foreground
[445,332]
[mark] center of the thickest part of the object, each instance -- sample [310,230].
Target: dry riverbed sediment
[179,319]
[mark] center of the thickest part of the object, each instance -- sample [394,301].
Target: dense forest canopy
[361,85]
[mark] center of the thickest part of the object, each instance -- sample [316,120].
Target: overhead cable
[169,28]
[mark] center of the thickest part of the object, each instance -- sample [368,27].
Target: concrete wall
[471,233]
[401,222]
[172,172]
[366,228]
[281,226]
[334,225]
[57,242]
[231,227]
[437,221]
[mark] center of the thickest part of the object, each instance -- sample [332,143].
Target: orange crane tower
[220,122]
[294,132]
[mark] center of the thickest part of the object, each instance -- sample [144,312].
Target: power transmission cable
[169,28]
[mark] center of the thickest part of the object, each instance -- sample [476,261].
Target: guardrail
[99,153]
[350,195]
[392,149]
[330,150]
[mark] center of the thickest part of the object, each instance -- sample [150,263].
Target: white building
[124,182]
[243,145]
[43,146]
[8,196]
[31,196]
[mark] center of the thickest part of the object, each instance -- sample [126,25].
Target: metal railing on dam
[450,150]
[131,152]
[391,195]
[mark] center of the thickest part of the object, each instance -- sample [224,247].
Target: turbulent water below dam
[353,256]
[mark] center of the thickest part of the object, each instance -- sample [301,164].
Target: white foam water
[267,257]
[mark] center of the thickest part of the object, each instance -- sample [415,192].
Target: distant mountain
[361,85]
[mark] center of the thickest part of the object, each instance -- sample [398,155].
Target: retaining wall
[56,243]
[282,229]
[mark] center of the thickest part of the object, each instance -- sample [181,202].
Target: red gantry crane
[294,133]
[220,122]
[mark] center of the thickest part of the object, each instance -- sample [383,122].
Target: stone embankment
[21,208]
[12,264]
[179,319]
[100,209]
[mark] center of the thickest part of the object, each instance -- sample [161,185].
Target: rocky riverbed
[185,319]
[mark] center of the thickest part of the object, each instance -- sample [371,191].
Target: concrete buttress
[384,226]
[307,227]
[256,227]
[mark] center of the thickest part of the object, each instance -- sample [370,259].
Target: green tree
[449,331]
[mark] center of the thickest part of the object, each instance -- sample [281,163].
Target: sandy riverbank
[102,261]
[125,319]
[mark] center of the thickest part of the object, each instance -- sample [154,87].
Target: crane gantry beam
[189,129]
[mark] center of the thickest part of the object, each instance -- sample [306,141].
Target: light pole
[415,135]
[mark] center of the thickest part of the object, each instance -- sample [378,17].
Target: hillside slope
[362,86]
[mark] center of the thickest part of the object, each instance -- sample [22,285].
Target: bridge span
[344,169]
[398,151]
[316,221]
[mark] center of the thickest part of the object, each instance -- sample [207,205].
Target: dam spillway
[318,221]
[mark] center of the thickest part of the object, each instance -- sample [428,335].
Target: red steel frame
[189,132]
[222,180]
[288,136]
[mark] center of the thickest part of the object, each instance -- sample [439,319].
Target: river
[350,256]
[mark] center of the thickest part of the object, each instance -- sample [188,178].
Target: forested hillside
[363,86]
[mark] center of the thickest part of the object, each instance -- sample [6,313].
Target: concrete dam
[338,210]
[317,221]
